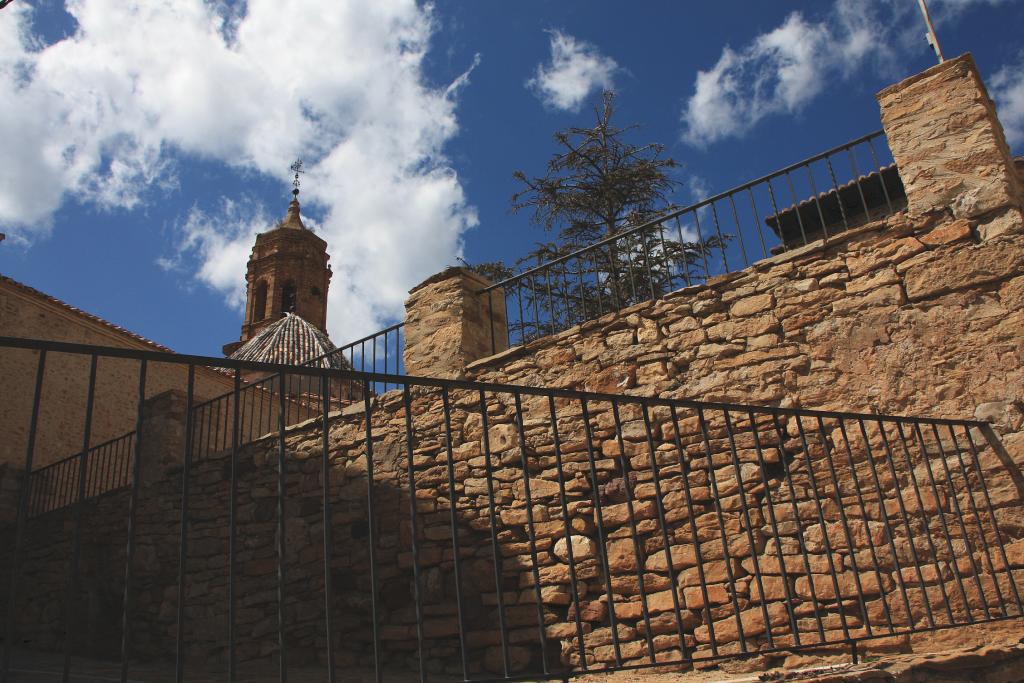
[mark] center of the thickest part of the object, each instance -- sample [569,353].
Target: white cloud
[782,70]
[104,115]
[576,70]
[1008,91]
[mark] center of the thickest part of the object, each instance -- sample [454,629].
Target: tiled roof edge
[32,291]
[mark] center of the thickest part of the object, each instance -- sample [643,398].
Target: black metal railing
[379,352]
[479,531]
[55,486]
[816,198]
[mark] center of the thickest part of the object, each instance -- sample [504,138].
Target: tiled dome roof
[292,341]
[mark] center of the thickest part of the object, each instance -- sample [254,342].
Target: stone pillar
[11,480]
[948,143]
[163,434]
[450,323]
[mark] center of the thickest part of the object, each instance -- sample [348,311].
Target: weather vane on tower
[297,167]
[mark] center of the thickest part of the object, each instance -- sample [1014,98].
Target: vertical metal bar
[613,276]
[942,520]
[456,551]
[325,473]
[567,523]
[888,525]
[565,294]
[817,202]
[700,242]
[718,231]
[827,451]
[881,176]
[864,516]
[682,250]
[963,529]
[925,521]
[629,268]
[739,231]
[788,474]
[749,526]
[504,305]
[372,523]
[666,261]
[757,222]
[995,525]
[598,285]
[218,435]
[856,181]
[396,369]
[835,186]
[522,318]
[179,642]
[721,524]
[282,482]
[541,631]
[796,209]
[645,251]
[582,290]
[22,518]
[624,470]
[778,217]
[533,300]
[495,553]
[133,503]
[906,522]
[253,390]
[76,548]
[595,494]
[414,523]
[551,301]
[663,523]
[232,533]
[684,471]
[773,521]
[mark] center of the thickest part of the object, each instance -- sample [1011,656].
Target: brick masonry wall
[66,380]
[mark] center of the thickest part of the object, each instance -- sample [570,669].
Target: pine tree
[598,185]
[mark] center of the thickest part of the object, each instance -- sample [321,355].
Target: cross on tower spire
[297,167]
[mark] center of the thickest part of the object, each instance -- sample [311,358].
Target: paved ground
[991,653]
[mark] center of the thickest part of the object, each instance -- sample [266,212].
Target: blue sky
[145,142]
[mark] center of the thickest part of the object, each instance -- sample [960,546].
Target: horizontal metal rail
[489,531]
[382,350]
[401,380]
[812,199]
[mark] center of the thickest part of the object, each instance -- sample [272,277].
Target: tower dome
[292,340]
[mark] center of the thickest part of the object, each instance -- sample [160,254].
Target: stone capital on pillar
[450,322]
[948,143]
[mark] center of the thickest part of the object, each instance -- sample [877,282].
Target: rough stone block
[955,269]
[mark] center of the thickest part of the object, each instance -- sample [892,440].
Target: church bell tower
[288,272]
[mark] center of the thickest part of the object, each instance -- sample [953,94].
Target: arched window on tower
[259,302]
[288,297]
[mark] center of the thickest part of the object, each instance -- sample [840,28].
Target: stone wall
[920,313]
[740,500]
